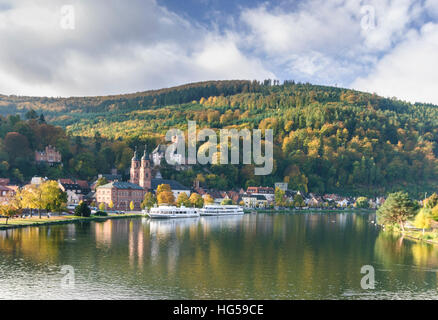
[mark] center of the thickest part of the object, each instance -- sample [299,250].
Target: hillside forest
[327,139]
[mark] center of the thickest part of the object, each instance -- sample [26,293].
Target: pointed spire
[135,157]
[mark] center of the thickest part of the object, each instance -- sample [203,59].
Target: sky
[100,47]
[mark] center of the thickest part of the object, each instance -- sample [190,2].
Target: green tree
[226,202]
[102,206]
[83,210]
[279,197]
[298,200]
[149,201]
[397,209]
[362,202]
[101,181]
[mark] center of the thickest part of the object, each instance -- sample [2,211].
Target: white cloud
[409,71]
[329,40]
[119,47]
[115,48]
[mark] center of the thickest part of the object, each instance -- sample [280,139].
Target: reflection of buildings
[103,232]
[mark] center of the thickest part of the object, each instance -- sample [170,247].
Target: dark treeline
[168,96]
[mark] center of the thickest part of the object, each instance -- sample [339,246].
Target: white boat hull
[219,210]
[206,214]
[172,216]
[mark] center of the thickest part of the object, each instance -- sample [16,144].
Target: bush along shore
[36,221]
[414,220]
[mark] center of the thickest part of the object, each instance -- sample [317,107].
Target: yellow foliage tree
[182,200]
[196,200]
[423,219]
[208,199]
[166,197]
[163,187]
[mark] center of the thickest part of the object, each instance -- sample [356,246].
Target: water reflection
[281,256]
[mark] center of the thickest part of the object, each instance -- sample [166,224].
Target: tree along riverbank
[36,221]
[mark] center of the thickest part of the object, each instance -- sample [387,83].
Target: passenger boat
[221,210]
[170,212]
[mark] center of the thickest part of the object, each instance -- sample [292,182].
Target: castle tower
[145,171]
[135,168]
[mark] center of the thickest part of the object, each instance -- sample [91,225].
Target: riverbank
[313,210]
[36,221]
[428,236]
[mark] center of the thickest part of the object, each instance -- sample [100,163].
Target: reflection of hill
[251,256]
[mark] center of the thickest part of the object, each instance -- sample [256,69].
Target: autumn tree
[423,219]
[163,187]
[166,197]
[208,199]
[182,200]
[33,198]
[8,211]
[196,200]
[52,197]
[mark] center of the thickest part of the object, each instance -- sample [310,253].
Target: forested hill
[327,139]
[168,96]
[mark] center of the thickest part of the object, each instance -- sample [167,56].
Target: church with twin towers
[141,172]
[120,194]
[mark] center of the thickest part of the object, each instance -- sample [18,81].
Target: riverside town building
[121,194]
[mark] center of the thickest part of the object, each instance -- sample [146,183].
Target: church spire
[135,157]
[145,154]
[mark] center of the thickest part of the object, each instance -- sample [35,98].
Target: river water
[255,256]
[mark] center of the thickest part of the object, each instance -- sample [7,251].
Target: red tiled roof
[83,184]
[66,181]
[4,188]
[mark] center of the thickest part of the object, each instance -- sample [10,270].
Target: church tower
[145,171]
[135,168]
